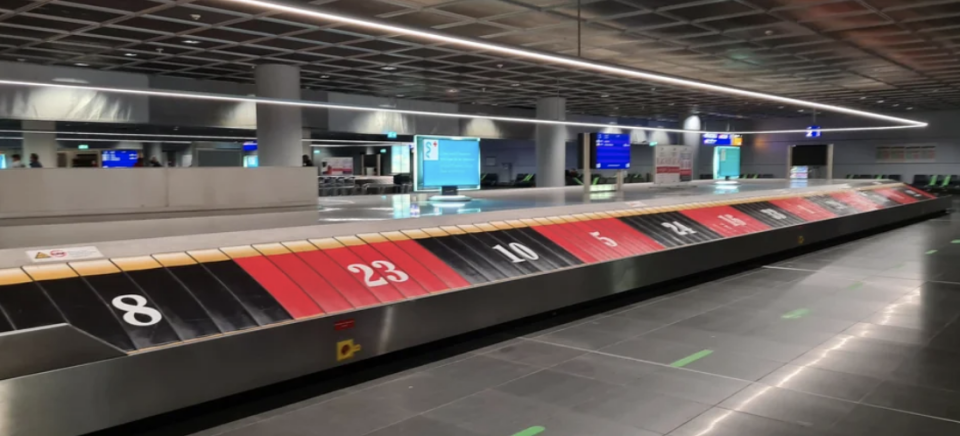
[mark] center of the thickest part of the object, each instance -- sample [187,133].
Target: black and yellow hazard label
[347,349]
[42,255]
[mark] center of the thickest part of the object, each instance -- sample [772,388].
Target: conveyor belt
[161,300]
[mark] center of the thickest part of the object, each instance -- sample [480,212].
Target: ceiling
[879,55]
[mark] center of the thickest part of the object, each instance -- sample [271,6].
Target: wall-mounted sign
[814,132]
[391,135]
[726,139]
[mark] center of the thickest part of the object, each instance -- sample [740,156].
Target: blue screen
[613,151]
[717,139]
[449,162]
[119,158]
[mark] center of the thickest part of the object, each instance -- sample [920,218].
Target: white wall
[50,192]
[855,152]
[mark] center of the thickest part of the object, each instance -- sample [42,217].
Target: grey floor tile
[836,359]
[419,392]
[483,371]
[690,385]
[723,422]
[534,353]
[789,406]
[557,388]
[350,415]
[735,365]
[922,400]
[653,350]
[610,369]
[494,413]
[622,327]
[822,382]
[871,421]
[581,337]
[422,426]
[890,333]
[642,409]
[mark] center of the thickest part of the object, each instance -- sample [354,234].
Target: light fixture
[81,64]
[880,101]
[388,68]
[130,55]
[568,61]
[400,95]
[909,108]
[339,106]
[514,85]
[452,91]
[604,95]
[191,41]
[896,105]
[324,76]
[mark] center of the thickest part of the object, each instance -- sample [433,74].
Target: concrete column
[43,144]
[551,142]
[154,149]
[279,128]
[692,140]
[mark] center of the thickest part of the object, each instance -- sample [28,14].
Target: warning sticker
[347,349]
[64,254]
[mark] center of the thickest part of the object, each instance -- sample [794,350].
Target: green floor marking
[932,252]
[955,241]
[796,314]
[531,431]
[856,285]
[691,358]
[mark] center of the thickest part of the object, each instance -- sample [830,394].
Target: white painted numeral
[517,253]
[736,222]
[139,307]
[679,228]
[607,241]
[773,214]
[372,279]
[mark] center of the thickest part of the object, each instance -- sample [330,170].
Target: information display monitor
[726,163]
[446,161]
[610,151]
[119,158]
[726,139]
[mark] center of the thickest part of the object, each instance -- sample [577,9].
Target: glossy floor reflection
[858,339]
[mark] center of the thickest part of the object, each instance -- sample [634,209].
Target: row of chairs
[330,186]
[937,182]
[742,176]
[873,176]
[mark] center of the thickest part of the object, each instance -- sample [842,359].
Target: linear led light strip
[96,140]
[163,135]
[579,63]
[457,115]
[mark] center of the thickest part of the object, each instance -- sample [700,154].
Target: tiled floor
[858,339]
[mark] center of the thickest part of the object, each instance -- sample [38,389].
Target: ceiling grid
[877,55]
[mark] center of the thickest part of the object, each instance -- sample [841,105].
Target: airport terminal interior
[479,217]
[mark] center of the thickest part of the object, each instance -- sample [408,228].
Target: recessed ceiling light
[452,91]
[671,104]
[801,111]
[880,101]
[896,105]
[81,64]
[863,98]
[324,76]
[388,68]
[515,85]
[191,41]
[779,107]
[604,95]
[909,108]
[400,96]
[21,60]
[130,55]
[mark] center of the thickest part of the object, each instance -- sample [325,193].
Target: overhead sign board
[726,139]
[814,132]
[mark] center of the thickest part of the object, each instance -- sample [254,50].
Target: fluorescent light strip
[573,62]
[323,105]
[94,140]
[164,135]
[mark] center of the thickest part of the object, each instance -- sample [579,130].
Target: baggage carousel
[158,325]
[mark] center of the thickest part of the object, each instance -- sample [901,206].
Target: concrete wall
[855,152]
[96,191]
